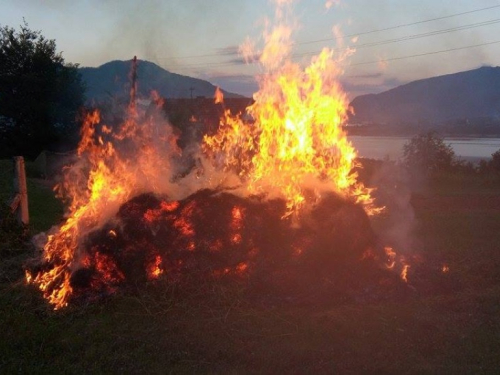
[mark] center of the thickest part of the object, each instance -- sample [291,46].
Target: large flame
[294,148]
[113,165]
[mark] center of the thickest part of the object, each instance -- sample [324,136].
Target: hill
[465,96]
[112,80]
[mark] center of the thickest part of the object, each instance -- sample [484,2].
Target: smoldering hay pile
[272,202]
[217,235]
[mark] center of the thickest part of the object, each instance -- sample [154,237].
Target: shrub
[427,153]
[495,161]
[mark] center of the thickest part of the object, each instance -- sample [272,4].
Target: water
[471,149]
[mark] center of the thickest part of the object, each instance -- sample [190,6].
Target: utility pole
[133,88]
[191,89]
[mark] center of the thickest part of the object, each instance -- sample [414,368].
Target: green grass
[217,330]
[44,209]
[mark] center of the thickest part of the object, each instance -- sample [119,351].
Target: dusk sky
[197,37]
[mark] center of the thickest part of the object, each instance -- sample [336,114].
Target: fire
[395,262]
[219,96]
[391,257]
[404,273]
[236,224]
[108,270]
[155,269]
[112,166]
[239,270]
[294,148]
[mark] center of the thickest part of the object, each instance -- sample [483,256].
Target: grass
[214,329]
[44,209]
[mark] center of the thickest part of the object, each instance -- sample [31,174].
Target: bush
[427,153]
[12,235]
[495,161]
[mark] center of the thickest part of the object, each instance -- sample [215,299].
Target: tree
[39,93]
[495,161]
[428,153]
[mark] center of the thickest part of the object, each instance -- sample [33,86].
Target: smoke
[158,30]
[394,192]
[151,29]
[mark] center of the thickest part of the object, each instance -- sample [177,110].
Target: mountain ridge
[463,95]
[112,79]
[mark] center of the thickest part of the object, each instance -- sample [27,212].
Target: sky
[395,41]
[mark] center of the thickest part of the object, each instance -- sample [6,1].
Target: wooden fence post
[20,201]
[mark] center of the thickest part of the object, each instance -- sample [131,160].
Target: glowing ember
[391,257]
[404,273]
[155,269]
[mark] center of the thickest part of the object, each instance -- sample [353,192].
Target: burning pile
[295,218]
[212,235]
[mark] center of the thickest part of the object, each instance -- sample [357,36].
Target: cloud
[243,54]
[241,61]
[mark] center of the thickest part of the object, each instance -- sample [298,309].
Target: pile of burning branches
[270,199]
[217,235]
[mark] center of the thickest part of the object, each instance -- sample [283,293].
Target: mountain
[466,95]
[113,80]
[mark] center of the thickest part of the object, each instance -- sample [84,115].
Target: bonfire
[272,201]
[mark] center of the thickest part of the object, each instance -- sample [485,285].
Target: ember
[195,237]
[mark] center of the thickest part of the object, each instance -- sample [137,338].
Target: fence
[19,202]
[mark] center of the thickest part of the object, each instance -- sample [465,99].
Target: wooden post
[20,200]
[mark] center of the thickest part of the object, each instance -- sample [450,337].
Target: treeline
[40,94]
[428,154]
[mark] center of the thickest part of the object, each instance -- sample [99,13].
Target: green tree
[428,153]
[39,93]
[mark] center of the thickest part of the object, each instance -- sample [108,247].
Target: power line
[414,36]
[383,42]
[403,25]
[412,56]
[425,53]
[351,35]
[431,33]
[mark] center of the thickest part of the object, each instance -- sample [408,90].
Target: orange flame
[294,148]
[296,143]
[404,273]
[112,166]
[219,96]
[391,257]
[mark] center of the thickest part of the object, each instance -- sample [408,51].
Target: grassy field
[217,330]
